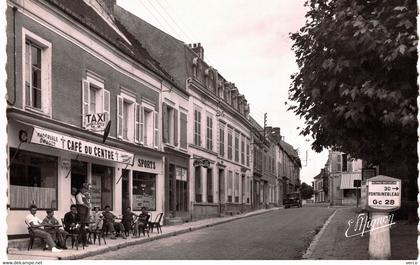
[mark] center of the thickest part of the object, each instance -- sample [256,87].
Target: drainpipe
[14,59]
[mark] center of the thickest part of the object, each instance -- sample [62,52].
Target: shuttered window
[197,127]
[183,130]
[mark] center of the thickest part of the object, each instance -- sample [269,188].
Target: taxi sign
[384,193]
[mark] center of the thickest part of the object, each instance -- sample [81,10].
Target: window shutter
[119,116]
[141,124]
[156,130]
[106,104]
[165,125]
[199,128]
[175,127]
[136,122]
[85,101]
[183,130]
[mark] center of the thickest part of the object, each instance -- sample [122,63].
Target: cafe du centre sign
[64,142]
[383,193]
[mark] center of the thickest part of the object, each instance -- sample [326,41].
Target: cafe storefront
[143,183]
[44,164]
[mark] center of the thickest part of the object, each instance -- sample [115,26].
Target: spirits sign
[384,193]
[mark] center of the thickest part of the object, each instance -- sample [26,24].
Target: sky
[248,42]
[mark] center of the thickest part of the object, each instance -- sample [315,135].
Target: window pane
[92,103]
[36,56]
[144,191]
[33,180]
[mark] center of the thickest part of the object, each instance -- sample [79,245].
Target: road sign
[384,193]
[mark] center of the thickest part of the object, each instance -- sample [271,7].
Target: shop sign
[78,146]
[146,163]
[96,122]
[384,193]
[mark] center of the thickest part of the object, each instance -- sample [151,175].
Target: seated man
[128,219]
[72,223]
[34,223]
[110,224]
[141,222]
[56,232]
[97,220]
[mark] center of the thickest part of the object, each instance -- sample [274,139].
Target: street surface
[282,234]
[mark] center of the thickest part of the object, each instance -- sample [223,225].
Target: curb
[314,243]
[161,236]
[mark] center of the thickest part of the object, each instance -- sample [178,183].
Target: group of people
[80,220]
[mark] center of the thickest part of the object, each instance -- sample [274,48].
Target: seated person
[111,225]
[72,223]
[34,224]
[97,220]
[56,232]
[128,219]
[141,222]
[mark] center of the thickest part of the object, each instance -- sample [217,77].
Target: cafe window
[102,193]
[144,191]
[33,180]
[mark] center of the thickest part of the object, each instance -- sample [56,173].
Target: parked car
[292,199]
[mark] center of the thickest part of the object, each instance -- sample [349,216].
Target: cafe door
[125,200]
[78,174]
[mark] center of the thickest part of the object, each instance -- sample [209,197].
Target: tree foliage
[356,87]
[306,191]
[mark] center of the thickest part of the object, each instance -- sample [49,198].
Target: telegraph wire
[188,36]
[164,19]
[151,13]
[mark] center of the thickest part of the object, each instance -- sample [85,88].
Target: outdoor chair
[143,229]
[156,223]
[97,233]
[74,235]
[32,237]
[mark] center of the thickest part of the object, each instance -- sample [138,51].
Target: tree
[356,87]
[306,191]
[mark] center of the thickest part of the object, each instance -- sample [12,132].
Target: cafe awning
[347,180]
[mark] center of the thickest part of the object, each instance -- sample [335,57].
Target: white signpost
[383,196]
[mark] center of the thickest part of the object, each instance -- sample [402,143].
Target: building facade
[73,71]
[343,171]
[218,130]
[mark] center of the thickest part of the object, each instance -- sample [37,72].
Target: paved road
[282,234]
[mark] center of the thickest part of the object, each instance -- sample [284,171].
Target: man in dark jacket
[72,223]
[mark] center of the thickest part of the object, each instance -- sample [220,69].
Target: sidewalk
[92,250]
[334,245]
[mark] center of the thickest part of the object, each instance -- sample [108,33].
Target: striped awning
[347,180]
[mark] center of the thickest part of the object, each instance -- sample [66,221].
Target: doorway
[178,191]
[78,174]
[125,200]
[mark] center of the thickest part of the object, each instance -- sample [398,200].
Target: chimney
[198,49]
[275,132]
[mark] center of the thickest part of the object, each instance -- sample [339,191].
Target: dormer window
[195,67]
[220,90]
[210,79]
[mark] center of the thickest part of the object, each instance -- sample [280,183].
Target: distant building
[320,186]
[343,170]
